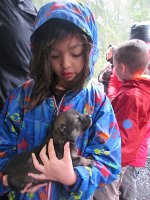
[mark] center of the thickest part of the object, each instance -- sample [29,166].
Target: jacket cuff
[74,187]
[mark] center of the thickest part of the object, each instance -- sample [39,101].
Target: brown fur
[66,127]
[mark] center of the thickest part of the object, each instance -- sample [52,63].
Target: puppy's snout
[89,119]
[86,121]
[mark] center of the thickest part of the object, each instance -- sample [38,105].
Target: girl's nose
[66,61]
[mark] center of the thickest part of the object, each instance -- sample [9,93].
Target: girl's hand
[30,189]
[4,180]
[53,169]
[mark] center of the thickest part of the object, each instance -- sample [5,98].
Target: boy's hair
[45,38]
[133,54]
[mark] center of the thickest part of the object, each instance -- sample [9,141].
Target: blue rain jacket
[21,130]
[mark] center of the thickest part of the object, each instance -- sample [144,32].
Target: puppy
[67,126]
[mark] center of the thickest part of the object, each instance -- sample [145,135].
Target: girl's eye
[54,56]
[77,54]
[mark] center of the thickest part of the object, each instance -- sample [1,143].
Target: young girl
[64,46]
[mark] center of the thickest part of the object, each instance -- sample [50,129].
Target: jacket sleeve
[9,129]
[131,114]
[113,85]
[105,148]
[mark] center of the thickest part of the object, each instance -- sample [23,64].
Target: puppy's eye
[78,119]
[62,128]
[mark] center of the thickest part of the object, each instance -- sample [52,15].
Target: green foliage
[114,19]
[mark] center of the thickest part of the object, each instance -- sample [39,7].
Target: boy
[132,109]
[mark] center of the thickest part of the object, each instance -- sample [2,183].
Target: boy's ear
[123,67]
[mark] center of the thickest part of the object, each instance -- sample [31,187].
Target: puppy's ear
[62,129]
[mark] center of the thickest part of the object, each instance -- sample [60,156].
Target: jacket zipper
[57,107]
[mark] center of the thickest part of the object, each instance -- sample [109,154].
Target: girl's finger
[35,188]
[67,155]
[37,165]
[26,188]
[43,156]
[43,151]
[38,176]
[51,150]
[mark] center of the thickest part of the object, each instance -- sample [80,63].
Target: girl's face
[67,59]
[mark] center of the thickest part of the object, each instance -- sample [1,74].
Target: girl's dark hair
[45,38]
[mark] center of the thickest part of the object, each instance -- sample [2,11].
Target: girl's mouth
[67,74]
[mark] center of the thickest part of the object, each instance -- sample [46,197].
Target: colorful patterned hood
[75,12]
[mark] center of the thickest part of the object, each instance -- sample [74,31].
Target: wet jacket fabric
[113,85]
[21,129]
[132,109]
[16,26]
[142,154]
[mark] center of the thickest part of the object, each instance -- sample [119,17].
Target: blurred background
[114,19]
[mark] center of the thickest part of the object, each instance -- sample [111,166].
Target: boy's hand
[54,169]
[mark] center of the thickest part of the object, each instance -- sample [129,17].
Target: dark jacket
[16,25]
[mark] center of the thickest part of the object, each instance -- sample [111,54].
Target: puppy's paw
[78,161]
[87,162]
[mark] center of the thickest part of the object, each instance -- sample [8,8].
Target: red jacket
[132,109]
[141,156]
[113,85]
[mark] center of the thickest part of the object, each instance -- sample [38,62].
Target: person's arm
[10,122]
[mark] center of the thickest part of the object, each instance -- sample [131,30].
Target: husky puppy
[67,126]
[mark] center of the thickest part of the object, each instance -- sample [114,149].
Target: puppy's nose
[86,121]
[90,116]
[86,117]
[90,119]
